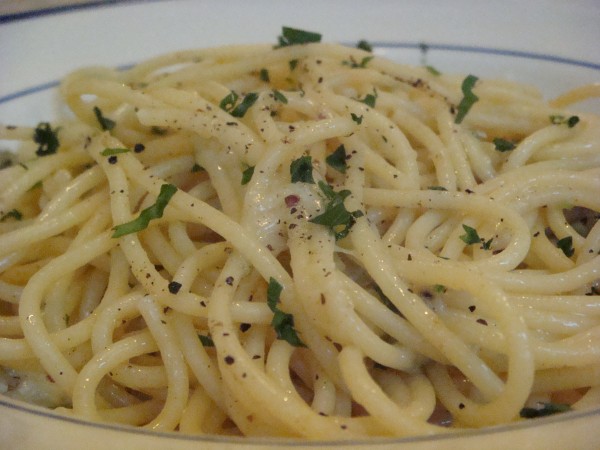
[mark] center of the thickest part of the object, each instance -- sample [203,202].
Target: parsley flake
[470,237]
[294,36]
[566,245]
[569,121]
[12,214]
[369,99]
[46,138]
[113,151]
[337,159]
[154,211]
[279,96]
[469,98]
[357,119]
[335,216]
[282,323]
[502,145]
[247,175]
[206,341]
[301,170]
[105,122]
[264,75]
[433,71]
[364,45]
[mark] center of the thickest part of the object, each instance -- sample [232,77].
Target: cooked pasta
[306,241]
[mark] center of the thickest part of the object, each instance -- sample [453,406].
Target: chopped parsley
[364,45]
[469,98]
[432,70]
[358,65]
[545,409]
[337,159]
[12,214]
[357,119]
[105,122]
[301,170]
[282,323]
[247,175]
[46,138]
[437,188]
[206,341]
[566,245]
[439,288]
[294,36]
[264,75]
[470,237]
[154,211]
[279,96]
[569,121]
[369,99]
[502,145]
[292,63]
[335,216]
[229,103]
[113,151]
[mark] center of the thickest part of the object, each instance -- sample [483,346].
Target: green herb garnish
[46,138]
[566,245]
[105,122]
[569,121]
[196,168]
[294,36]
[469,98]
[228,103]
[206,341]
[282,323]
[264,75]
[292,63]
[437,188]
[154,211]
[432,70]
[358,65]
[364,45]
[439,288]
[14,214]
[113,151]
[502,145]
[545,409]
[335,216]
[247,175]
[369,99]
[337,159]
[357,119]
[279,96]
[301,170]
[470,237]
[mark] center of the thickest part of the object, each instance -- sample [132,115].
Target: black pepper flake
[536,234]
[245,327]
[174,287]
[472,308]
[229,280]
[461,406]
[482,321]
[256,357]
[139,148]
[229,359]
[112,159]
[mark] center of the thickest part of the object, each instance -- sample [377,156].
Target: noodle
[304,241]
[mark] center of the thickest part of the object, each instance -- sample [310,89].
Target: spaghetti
[303,241]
